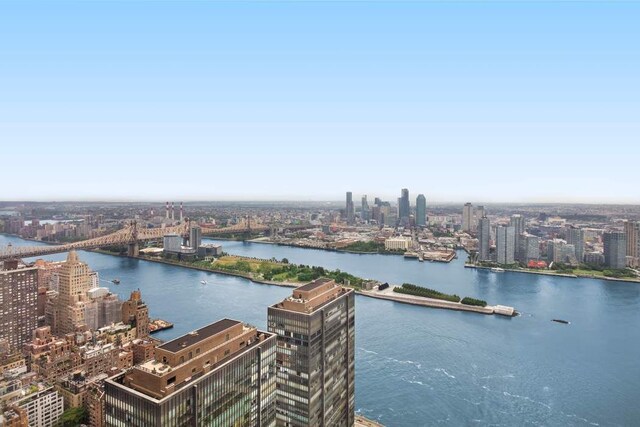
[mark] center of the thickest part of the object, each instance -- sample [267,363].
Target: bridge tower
[133,248]
[247,233]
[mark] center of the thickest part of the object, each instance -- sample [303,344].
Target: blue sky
[207,100]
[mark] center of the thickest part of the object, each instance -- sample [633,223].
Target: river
[419,366]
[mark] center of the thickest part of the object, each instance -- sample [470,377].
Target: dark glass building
[221,375]
[316,355]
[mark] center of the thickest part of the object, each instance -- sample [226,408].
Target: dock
[158,325]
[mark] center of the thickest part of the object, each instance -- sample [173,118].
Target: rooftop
[196,336]
[314,285]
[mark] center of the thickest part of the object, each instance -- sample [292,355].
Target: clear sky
[210,100]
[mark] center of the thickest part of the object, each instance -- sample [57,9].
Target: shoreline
[551,273]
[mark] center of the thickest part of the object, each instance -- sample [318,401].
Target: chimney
[167,211]
[181,212]
[173,212]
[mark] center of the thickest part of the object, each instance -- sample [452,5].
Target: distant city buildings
[365,213]
[632,234]
[421,210]
[316,355]
[615,249]
[484,239]
[575,237]
[350,210]
[404,208]
[467,217]
[505,244]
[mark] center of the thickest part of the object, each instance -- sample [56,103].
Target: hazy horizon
[521,102]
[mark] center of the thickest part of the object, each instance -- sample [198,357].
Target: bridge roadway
[131,235]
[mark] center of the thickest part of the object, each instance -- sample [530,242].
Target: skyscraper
[531,248]
[467,217]
[632,232]
[316,355]
[484,238]
[404,209]
[505,244]
[18,304]
[421,210]
[223,374]
[365,213]
[615,249]
[75,279]
[350,211]
[517,222]
[575,237]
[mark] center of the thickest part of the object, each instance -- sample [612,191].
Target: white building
[44,408]
[397,243]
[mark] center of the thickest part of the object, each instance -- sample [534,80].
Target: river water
[418,366]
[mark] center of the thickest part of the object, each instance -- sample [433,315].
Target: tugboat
[204,282]
[497,270]
[116,281]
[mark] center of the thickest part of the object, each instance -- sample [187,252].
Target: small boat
[497,270]
[204,282]
[116,281]
[565,322]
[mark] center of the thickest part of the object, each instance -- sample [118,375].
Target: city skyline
[537,100]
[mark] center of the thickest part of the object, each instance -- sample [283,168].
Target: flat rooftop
[314,285]
[198,335]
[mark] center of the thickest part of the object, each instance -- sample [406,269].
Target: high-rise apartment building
[517,222]
[531,248]
[421,210]
[404,208]
[467,217]
[575,237]
[75,279]
[350,210]
[223,374]
[632,232]
[316,355]
[484,238]
[18,303]
[505,244]
[615,249]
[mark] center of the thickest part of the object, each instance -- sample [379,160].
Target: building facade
[404,208]
[316,355]
[43,408]
[18,304]
[223,374]
[505,245]
[575,237]
[350,209]
[467,217]
[421,210]
[615,249]
[484,239]
[632,233]
[75,280]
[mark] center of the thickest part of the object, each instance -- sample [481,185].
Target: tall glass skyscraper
[404,208]
[421,210]
[316,355]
